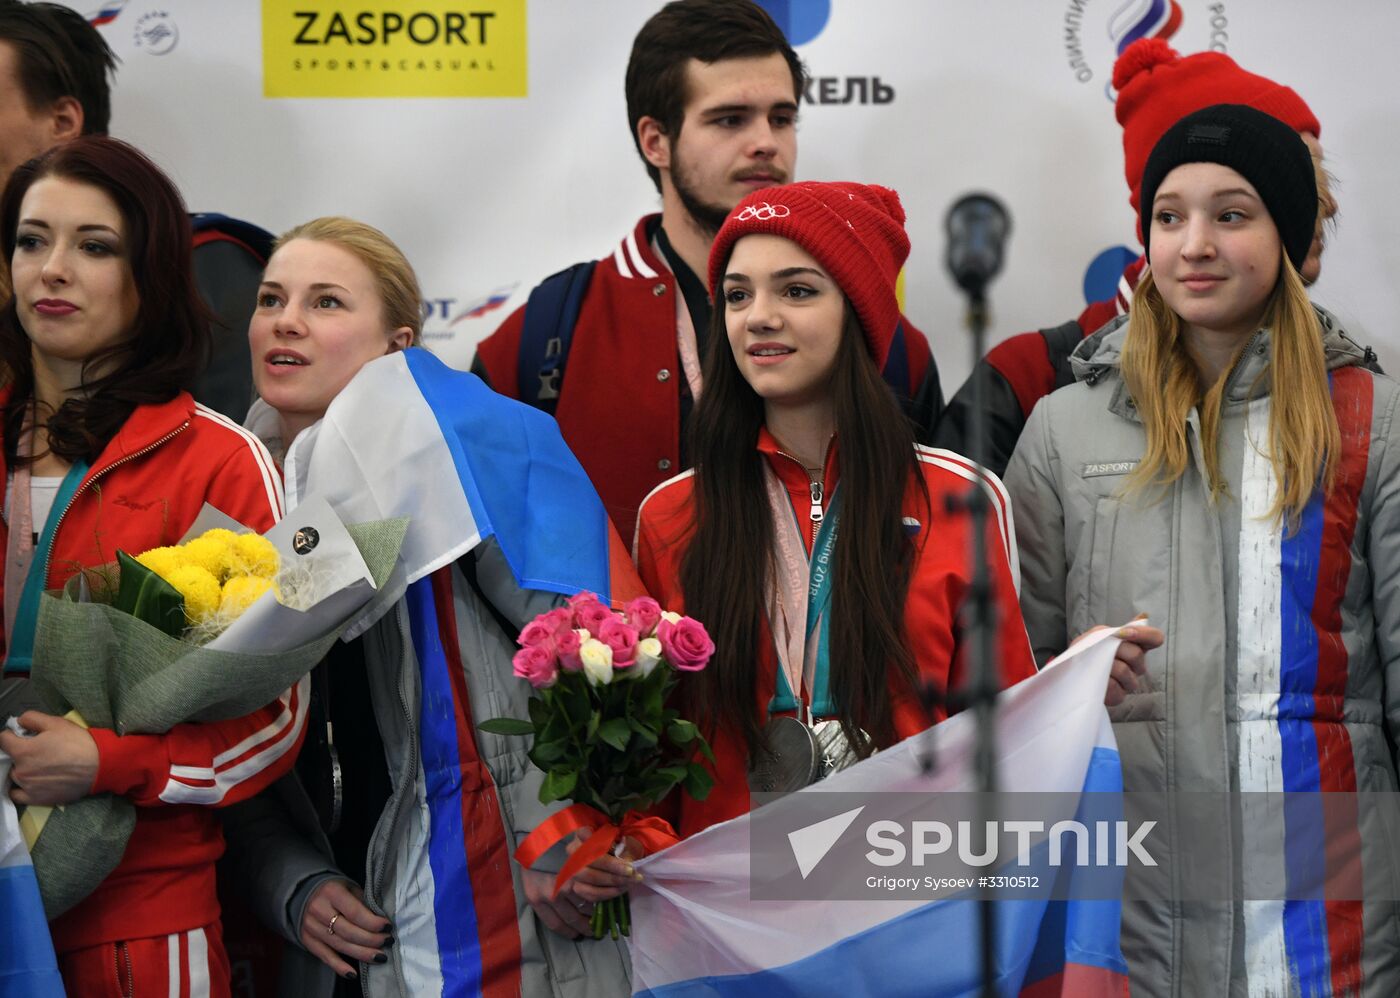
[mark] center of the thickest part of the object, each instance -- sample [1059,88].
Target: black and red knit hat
[1259,147]
[1157,87]
[855,231]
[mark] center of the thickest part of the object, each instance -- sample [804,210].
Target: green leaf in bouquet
[615,732]
[594,719]
[698,781]
[507,726]
[539,712]
[707,752]
[642,731]
[146,596]
[546,752]
[577,704]
[557,785]
[681,732]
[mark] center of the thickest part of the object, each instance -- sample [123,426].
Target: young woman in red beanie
[813,537]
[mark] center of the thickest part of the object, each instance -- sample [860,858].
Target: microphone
[977,225]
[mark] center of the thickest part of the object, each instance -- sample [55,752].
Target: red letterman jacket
[144,490]
[620,406]
[938,585]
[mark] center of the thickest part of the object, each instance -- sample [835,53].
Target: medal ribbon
[25,563]
[802,661]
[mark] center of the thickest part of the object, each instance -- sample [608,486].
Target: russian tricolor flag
[27,965]
[411,437]
[696,929]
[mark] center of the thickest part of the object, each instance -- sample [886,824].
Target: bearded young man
[712,91]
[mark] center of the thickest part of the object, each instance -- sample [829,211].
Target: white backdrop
[486,194]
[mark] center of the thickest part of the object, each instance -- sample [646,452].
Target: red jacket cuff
[123,762]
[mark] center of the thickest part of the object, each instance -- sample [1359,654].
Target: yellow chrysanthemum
[162,561]
[255,555]
[200,589]
[213,554]
[240,592]
[219,534]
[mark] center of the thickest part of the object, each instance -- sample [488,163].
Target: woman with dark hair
[836,629]
[104,449]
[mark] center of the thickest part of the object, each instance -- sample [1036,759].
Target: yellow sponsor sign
[394,48]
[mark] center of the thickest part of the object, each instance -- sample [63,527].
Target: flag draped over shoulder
[27,965]
[410,436]
[697,930]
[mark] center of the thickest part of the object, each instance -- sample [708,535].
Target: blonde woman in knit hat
[1157,86]
[1227,464]
[796,434]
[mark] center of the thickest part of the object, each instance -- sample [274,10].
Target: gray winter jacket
[1280,671]
[281,855]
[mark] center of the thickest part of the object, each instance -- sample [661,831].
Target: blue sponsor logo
[1101,279]
[801,20]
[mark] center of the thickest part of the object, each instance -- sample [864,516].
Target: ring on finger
[330,926]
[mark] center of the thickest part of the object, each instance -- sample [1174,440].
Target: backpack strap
[210,226]
[551,312]
[896,372]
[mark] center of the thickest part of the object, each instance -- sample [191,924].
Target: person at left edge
[712,91]
[106,450]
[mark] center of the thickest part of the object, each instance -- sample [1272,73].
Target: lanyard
[20,632]
[801,582]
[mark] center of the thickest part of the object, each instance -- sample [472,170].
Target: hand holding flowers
[603,733]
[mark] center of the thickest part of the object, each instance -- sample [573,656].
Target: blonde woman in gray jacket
[1226,464]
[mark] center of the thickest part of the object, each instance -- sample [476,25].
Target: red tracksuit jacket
[144,491]
[938,585]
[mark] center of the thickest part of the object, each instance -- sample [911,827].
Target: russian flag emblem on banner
[699,926]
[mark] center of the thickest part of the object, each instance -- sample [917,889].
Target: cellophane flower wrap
[207,630]
[604,733]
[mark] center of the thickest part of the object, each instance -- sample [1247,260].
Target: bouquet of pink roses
[604,735]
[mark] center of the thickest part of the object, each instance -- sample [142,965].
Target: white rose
[597,662]
[648,654]
[671,616]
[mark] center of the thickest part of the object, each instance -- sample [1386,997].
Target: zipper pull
[816,511]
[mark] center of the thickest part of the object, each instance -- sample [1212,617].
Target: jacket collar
[1100,355]
[146,426]
[634,257]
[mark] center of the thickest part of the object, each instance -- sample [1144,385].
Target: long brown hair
[727,568]
[170,342]
[1165,386]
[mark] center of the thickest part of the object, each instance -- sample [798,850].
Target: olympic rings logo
[763,212]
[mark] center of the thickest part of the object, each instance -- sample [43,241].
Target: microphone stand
[980,690]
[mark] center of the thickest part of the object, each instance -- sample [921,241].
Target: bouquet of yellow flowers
[206,630]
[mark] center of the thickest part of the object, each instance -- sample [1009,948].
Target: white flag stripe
[1048,728]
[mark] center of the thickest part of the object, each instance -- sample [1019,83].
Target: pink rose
[538,633]
[535,665]
[622,639]
[578,599]
[686,643]
[561,619]
[567,648]
[590,616]
[644,613]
